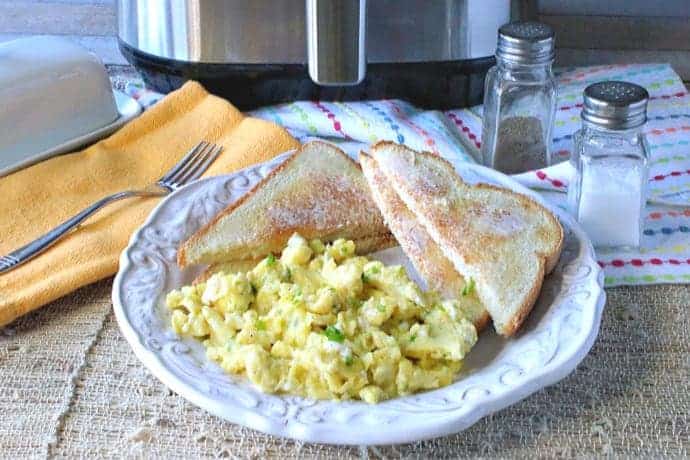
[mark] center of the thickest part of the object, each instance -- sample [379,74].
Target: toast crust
[550,259]
[547,262]
[426,256]
[435,180]
[182,259]
[284,224]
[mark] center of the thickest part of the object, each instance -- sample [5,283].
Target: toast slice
[319,192]
[504,241]
[363,246]
[426,256]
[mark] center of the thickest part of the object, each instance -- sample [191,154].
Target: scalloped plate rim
[448,424]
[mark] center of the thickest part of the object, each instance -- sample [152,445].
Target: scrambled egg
[323,323]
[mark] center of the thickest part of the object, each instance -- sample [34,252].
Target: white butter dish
[55,96]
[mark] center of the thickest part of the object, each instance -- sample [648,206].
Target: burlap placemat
[71,387]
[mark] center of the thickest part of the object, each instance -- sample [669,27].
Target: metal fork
[189,168]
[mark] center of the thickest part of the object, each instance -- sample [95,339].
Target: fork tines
[193,165]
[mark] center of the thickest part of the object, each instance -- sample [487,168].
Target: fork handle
[40,244]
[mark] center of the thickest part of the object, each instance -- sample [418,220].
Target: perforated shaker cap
[615,105]
[526,43]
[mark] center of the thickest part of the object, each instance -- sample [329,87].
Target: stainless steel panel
[336,41]
[274,31]
[257,31]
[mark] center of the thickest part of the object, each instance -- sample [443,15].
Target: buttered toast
[504,241]
[426,256]
[319,192]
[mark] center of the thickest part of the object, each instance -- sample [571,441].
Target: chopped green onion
[271,260]
[260,325]
[413,337]
[469,287]
[381,307]
[365,279]
[355,302]
[348,360]
[334,334]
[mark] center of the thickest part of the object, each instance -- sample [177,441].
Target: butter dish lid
[56,97]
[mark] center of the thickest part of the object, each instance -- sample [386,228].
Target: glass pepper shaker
[520,99]
[610,157]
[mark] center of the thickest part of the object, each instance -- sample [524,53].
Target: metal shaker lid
[615,105]
[526,43]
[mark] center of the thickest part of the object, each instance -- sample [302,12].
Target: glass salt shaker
[607,192]
[520,99]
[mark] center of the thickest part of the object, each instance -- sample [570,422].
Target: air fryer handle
[336,41]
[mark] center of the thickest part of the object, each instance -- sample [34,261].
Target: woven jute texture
[71,387]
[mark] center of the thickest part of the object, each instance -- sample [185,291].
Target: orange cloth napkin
[37,198]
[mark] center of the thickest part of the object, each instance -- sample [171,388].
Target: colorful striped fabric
[665,256]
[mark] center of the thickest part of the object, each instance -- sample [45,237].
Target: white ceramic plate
[127,107]
[557,336]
